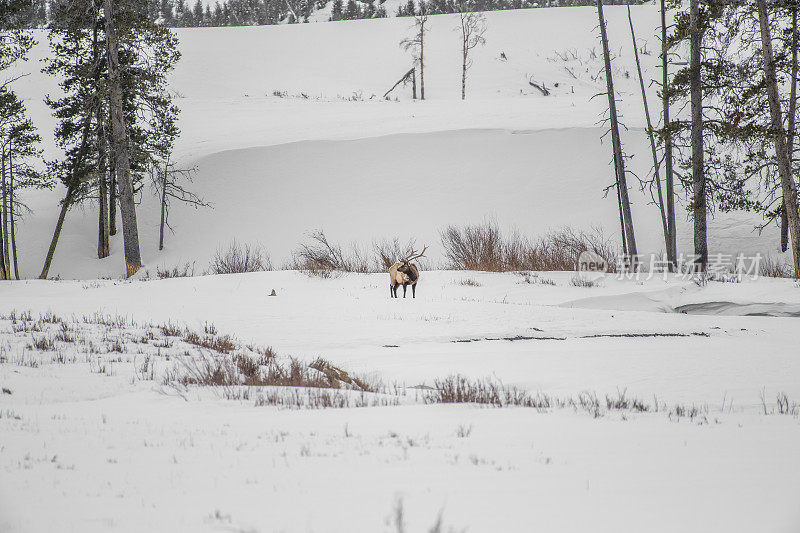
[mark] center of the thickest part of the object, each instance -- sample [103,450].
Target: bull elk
[405,273]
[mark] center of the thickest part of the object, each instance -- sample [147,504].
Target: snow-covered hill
[329,153]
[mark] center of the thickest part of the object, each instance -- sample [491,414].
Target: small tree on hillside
[170,182]
[417,45]
[472,26]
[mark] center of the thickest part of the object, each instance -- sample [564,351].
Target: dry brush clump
[318,256]
[321,257]
[484,247]
[239,259]
[460,389]
[390,251]
[775,268]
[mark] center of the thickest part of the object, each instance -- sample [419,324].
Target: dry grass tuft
[184,271]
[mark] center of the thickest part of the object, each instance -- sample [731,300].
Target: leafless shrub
[320,257]
[462,431]
[785,407]
[469,282]
[483,247]
[388,252]
[238,259]
[774,268]
[171,330]
[184,271]
[681,411]
[459,389]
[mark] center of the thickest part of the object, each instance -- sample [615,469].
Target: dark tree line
[440,7]
[185,14]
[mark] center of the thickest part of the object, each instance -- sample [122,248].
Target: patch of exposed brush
[460,389]
[186,270]
[261,369]
[484,247]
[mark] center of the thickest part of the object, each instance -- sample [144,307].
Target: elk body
[405,273]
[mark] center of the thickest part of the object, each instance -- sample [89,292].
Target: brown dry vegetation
[484,247]
[238,259]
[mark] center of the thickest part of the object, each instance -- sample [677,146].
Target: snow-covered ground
[107,448]
[98,433]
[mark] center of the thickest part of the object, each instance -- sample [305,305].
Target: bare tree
[659,200]
[169,182]
[629,240]
[417,45]
[672,247]
[473,27]
[788,185]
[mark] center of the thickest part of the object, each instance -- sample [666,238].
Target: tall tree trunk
[422,60]
[656,165]
[11,210]
[619,162]
[65,205]
[120,151]
[3,268]
[698,171]
[791,124]
[163,207]
[103,248]
[672,248]
[464,54]
[6,257]
[788,185]
[112,195]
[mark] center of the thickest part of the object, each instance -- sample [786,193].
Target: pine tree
[15,136]
[19,144]
[112,127]
[197,12]
[336,10]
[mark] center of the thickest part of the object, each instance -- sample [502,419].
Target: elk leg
[414,290]
[405,288]
[391,291]
[394,290]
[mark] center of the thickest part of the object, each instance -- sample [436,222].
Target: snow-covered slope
[276,167]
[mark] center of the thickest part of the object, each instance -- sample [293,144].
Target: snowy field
[679,438]
[650,405]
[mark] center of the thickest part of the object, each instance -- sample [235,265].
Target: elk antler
[415,255]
